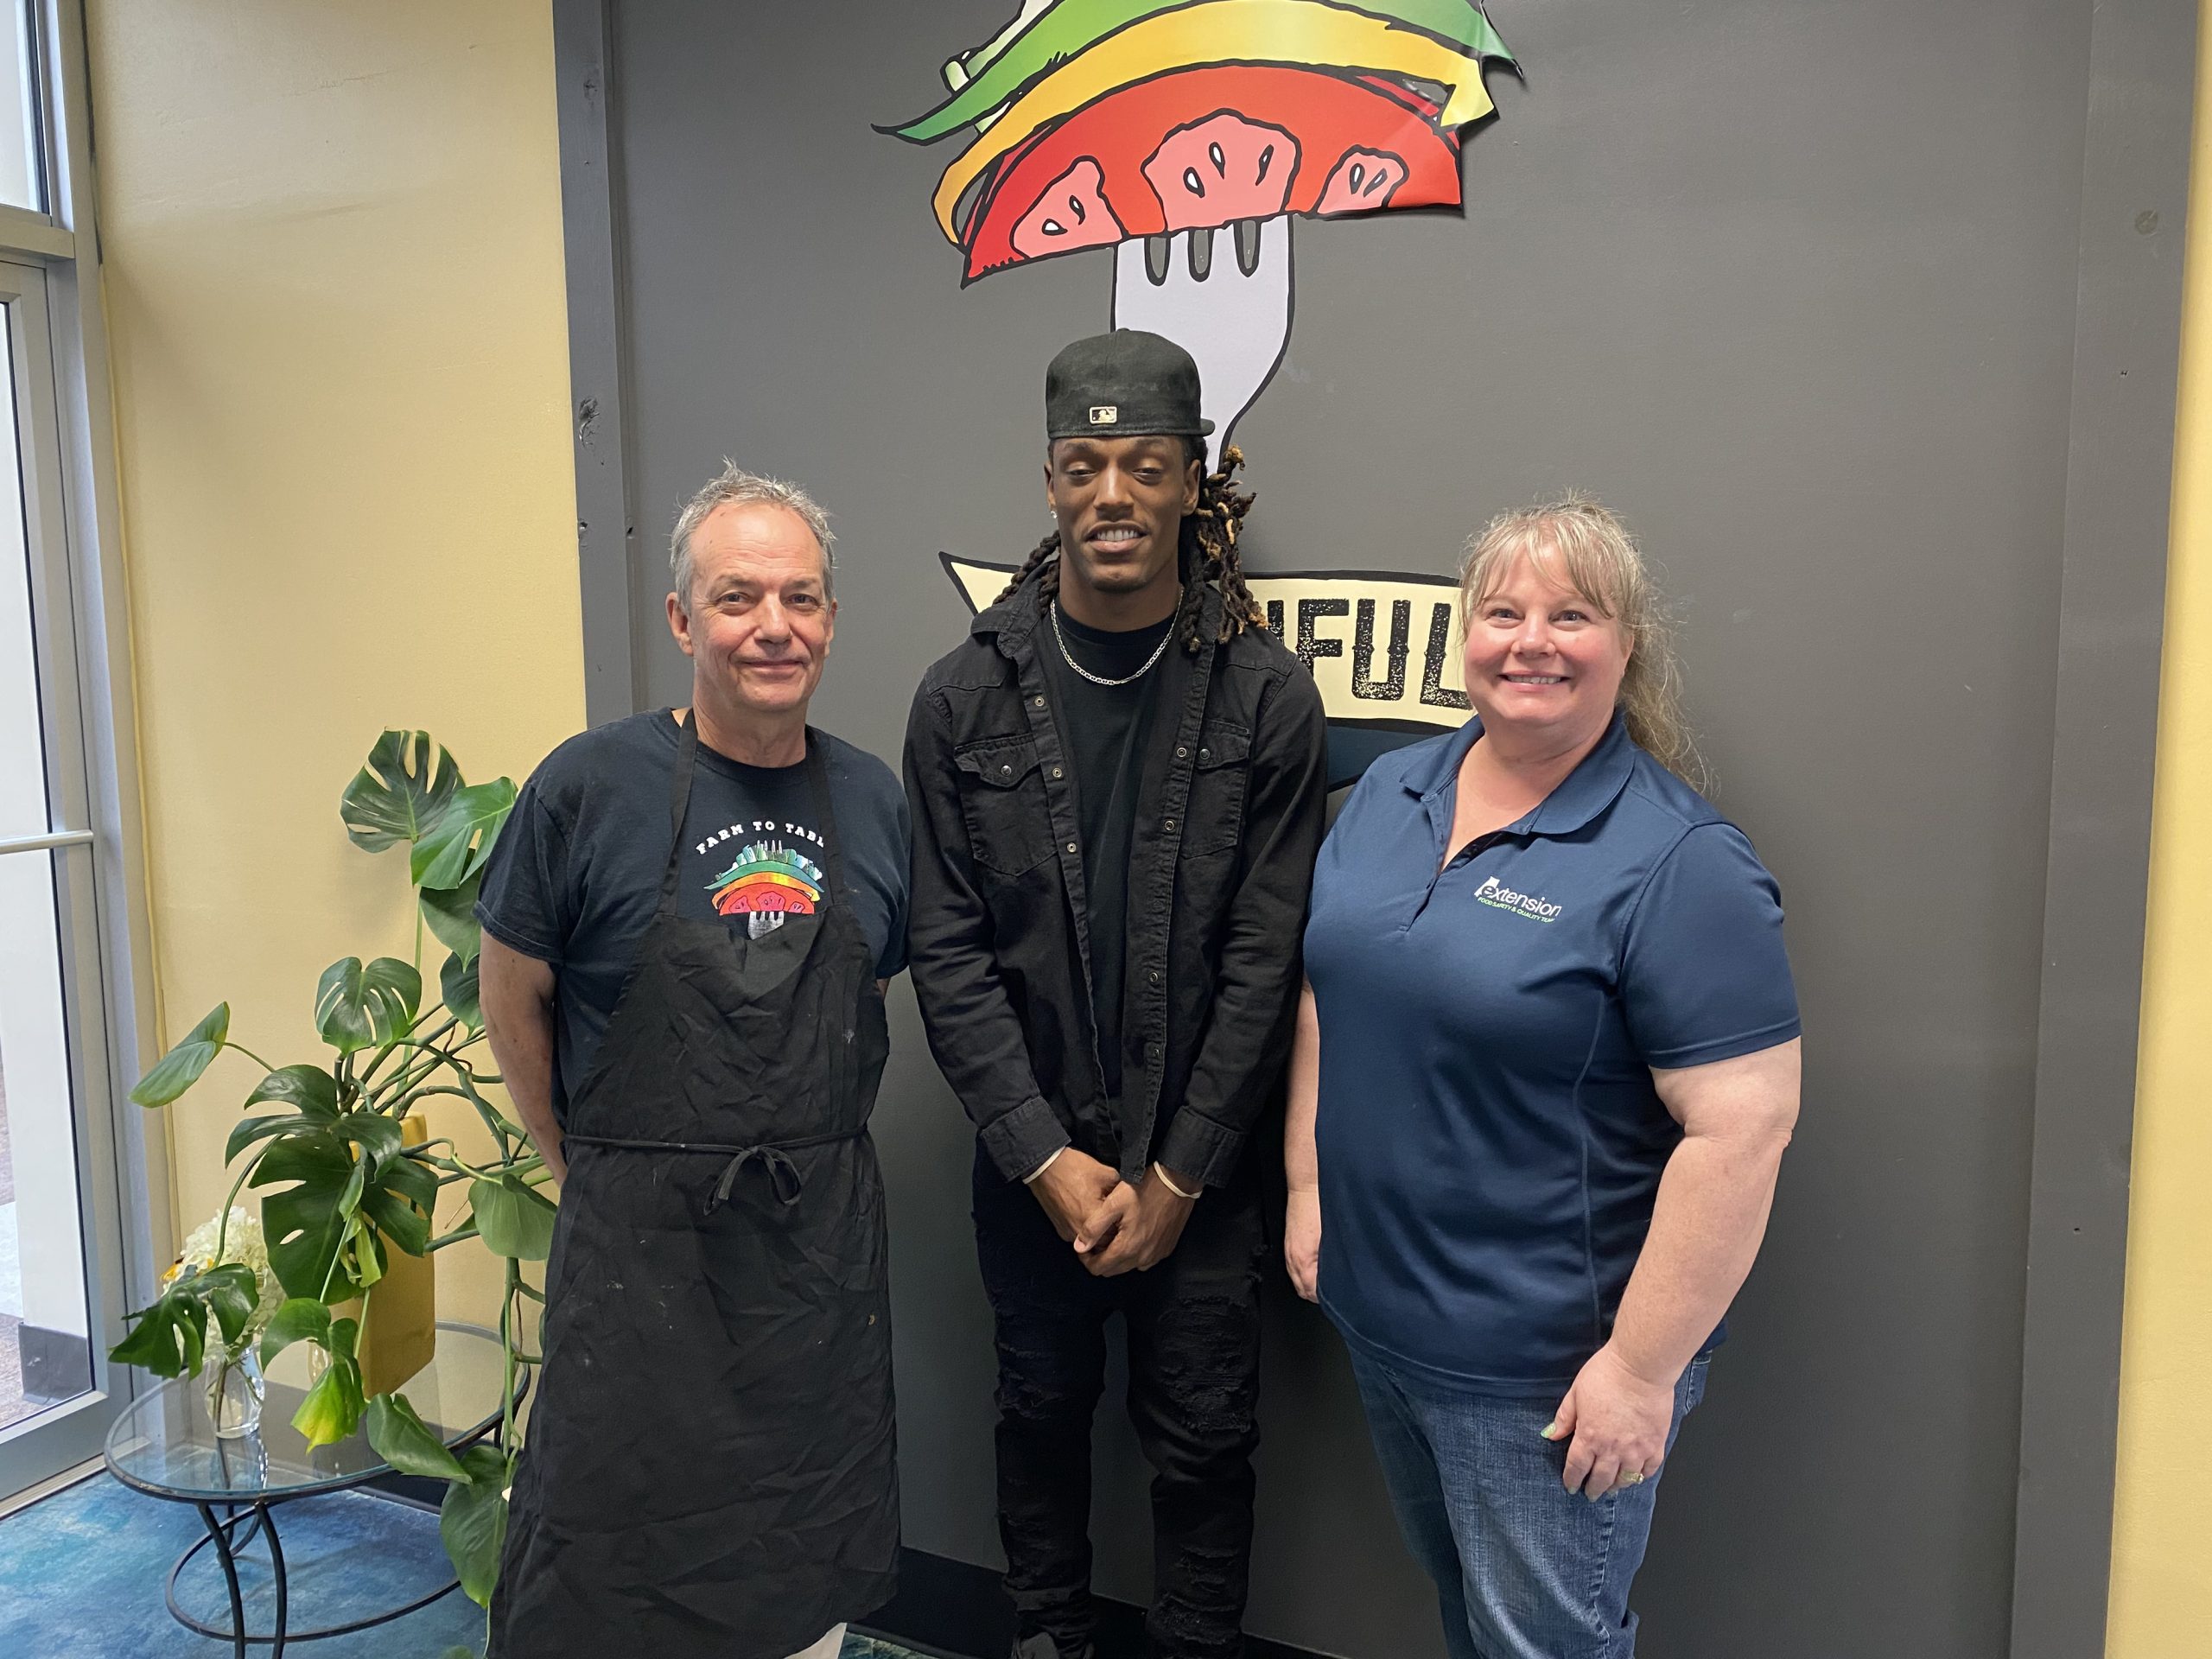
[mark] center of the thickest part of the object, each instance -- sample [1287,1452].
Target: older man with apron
[693,1029]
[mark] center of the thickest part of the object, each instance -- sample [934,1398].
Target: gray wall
[1794,287]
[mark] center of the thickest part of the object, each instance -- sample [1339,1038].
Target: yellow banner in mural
[1383,645]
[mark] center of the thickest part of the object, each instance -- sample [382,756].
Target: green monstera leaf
[451,913]
[169,1339]
[401,792]
[358,1006]
[179,1069]
[398,1203]
[328,1225]
[332,1407]
[306,1221]
[309,1088]
[301,1318]
[230,1293]
[404,1441]
[457,845]
[512,1218]
[372,1131]
[457,985]
[472,1521]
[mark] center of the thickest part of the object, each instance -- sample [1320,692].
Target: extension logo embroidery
[768,882]
[1499,896]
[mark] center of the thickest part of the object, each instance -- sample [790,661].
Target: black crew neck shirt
[1107,731]
[575,877]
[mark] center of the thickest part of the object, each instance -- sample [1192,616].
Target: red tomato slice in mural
[1200,148]
[1072,214]
[1222,170]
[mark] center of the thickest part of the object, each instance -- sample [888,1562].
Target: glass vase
[235,1388]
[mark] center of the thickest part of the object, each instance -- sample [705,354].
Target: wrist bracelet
[1168,1181]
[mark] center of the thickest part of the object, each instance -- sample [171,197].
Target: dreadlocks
[1208,555]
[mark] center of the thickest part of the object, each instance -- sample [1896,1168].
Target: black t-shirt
[576,876]
[1107,730]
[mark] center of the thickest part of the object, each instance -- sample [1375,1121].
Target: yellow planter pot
[401,1328]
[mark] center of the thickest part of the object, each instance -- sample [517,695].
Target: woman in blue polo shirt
[1547,1063]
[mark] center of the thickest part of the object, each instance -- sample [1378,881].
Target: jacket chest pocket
[1219,774]
[1002,798]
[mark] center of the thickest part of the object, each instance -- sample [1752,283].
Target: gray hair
[734,486]
[1577,542]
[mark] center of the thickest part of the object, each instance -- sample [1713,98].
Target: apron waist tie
[782,1173]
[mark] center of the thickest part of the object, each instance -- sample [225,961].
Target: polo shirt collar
[1594,784]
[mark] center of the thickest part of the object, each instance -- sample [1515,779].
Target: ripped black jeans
[1194,1385]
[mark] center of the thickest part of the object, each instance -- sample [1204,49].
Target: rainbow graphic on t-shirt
[768,879]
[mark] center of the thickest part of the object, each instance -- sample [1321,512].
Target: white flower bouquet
[232,1240]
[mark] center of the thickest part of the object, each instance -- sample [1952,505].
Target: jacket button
[1007,769]
[1070,846]
[1171,826]
[1038,701]
[1151,976]
[1205,754]
[1182,754]
[1056,771]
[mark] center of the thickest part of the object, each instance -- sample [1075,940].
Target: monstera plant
[342,1188]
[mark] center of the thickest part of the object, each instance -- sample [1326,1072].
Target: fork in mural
[1224,298]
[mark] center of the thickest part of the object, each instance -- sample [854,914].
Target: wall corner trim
[2111,607]
[598,390]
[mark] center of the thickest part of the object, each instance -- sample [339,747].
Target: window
[45,1335]
[23,151]
[72,1166]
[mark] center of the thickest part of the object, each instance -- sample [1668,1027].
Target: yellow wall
[332,258]
[2162,1563]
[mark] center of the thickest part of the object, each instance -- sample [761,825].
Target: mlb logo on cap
[1105,415]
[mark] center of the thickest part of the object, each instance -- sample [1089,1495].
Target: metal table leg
[219,1531]
[277,1562]
[259,1519]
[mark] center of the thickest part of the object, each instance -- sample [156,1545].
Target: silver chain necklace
[1157,650]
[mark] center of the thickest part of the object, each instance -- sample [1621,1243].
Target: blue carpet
[82,1570]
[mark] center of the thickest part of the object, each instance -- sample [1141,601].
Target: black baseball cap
[1126,384]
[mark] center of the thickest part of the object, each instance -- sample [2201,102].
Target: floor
[82,1569]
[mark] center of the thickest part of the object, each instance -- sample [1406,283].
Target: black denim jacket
[1229,820]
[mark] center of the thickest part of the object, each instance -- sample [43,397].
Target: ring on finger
[1635,1479]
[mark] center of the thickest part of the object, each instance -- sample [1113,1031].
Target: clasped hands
[1116,1226]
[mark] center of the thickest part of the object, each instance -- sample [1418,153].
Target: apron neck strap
[817,782]
[679,804]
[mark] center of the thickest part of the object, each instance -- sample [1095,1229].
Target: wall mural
[1187,137]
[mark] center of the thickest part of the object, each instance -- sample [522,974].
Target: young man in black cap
[1118,783]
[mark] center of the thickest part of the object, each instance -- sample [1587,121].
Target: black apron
[709,1463]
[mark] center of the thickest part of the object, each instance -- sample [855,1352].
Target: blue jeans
[1524,1568]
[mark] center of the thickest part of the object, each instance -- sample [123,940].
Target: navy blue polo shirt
[1490,1141]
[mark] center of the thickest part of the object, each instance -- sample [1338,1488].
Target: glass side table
[165,1446]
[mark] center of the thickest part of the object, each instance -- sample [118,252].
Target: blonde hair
[1580,543]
